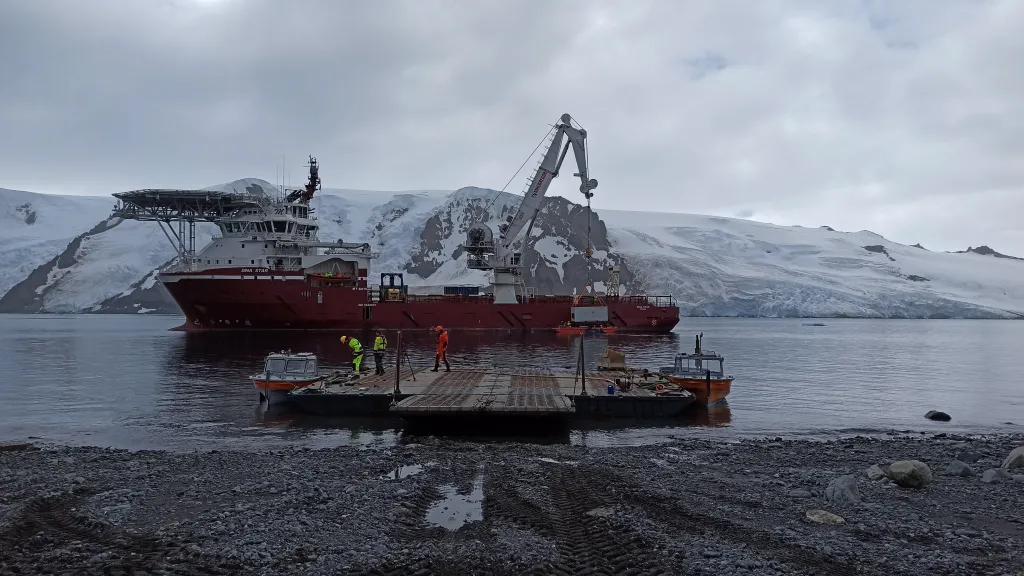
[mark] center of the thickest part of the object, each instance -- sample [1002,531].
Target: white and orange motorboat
[696,373]
[286,371]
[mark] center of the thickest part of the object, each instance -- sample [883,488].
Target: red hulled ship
[268,270]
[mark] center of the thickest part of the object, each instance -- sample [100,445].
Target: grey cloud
[855,113]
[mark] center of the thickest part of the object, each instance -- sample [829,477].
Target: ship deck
[492,394]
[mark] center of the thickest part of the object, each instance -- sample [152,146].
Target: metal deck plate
[461,392]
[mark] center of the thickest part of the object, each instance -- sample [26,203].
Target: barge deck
[496,394]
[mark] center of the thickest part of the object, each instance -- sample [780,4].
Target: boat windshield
[296,367]
[275,365]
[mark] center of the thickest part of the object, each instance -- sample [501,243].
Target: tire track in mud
[682,513]
[47,523]
[409,521]
[502,503]
[586,544]
[686,520]
[431,567]
[589,544]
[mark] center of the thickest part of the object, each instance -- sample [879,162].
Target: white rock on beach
[823,517]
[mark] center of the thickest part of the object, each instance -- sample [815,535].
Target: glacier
[65,254]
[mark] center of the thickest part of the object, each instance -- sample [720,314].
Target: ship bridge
[183,208]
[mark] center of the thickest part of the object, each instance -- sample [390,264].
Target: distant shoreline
[821,318]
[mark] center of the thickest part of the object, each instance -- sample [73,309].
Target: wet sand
[445,506]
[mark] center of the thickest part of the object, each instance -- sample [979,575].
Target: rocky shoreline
[444,506]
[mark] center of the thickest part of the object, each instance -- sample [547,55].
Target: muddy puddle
[406,471]
[455,510]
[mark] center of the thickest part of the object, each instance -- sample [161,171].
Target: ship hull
[236,302]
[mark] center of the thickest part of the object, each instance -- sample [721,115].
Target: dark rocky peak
[918,245]
[561,224]
[986,251]
[879,249]
[27,213]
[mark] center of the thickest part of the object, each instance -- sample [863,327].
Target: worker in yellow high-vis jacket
[357,352]
[380,345]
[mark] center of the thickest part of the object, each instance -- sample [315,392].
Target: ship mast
[312,185]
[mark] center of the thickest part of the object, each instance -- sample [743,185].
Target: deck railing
[636,300]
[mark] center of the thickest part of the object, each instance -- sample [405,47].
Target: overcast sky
[905,117]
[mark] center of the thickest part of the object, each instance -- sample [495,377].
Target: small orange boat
[284,372]
[576,329]
[570,329]
[695,373]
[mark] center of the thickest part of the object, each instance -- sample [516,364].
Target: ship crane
[494,252]
[304,195]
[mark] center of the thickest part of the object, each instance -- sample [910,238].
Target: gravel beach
[445,506]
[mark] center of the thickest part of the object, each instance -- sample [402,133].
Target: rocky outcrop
[554,254]
[986,251]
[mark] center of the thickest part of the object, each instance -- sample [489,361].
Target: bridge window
[279,226]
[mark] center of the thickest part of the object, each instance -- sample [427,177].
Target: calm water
[127,381]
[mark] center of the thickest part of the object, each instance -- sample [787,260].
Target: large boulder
[843,490]
[958,468]
[910,473]
[937,415]
[1015,459]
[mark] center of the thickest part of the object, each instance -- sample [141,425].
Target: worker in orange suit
[442,350]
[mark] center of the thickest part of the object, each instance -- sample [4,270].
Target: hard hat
[343,339]
[438,329]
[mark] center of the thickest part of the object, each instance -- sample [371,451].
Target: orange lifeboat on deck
[569,329]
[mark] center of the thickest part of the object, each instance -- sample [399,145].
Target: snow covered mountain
[63,254]
[36,227]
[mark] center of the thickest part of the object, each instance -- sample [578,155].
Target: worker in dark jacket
[380,344]
[442,350]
